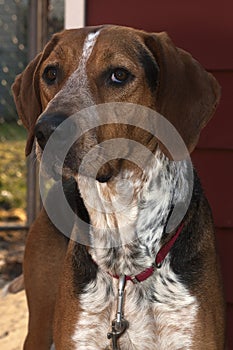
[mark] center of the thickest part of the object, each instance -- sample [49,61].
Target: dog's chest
[160,311]
[161,314]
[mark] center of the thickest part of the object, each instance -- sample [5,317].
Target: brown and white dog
[73,290]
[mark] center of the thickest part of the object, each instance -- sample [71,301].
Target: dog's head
[90,66]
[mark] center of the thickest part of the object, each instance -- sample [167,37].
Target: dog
[162,289]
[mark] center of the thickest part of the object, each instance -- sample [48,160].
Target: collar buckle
[134,279]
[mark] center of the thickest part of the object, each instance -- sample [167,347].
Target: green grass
[12,132]
[12,166]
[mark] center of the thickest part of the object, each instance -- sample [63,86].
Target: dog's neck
[130,214]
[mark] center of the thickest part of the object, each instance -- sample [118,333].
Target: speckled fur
[161,311]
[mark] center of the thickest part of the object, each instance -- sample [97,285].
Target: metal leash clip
[119,324]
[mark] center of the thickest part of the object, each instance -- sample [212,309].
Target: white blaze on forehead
[77,87]
[88,46]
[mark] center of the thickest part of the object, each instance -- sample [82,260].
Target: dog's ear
[187,95]
[26,92]
[27,99]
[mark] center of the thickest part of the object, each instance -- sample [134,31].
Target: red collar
[161,255]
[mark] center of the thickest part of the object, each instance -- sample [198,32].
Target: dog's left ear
[187,94]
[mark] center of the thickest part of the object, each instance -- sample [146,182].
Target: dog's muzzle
[46,127]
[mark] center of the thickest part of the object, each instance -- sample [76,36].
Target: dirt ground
[13,321]
[13,309]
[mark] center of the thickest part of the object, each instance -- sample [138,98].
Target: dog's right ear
[26,92]
[27,99]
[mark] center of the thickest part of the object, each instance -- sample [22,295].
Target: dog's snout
[46,125]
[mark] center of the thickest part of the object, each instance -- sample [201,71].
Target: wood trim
[74,13]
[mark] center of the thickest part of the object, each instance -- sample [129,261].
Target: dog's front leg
[44,254]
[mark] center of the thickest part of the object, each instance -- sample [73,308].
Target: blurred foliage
[12,132]
[14,45]
[12,165]
[55,16]
[13,51]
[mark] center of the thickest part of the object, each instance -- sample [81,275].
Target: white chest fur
[161,312]
[163,324]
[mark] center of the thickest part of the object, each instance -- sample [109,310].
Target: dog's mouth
[104,175]
[59,164]
[71,168]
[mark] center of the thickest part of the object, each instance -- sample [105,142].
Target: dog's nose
[46,126]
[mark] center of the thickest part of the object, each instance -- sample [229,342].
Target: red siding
[225,244]
[204,28]
[229,326]
[215,169]
[219,132]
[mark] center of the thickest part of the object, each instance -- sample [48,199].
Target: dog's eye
[119,76]
[50,74]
